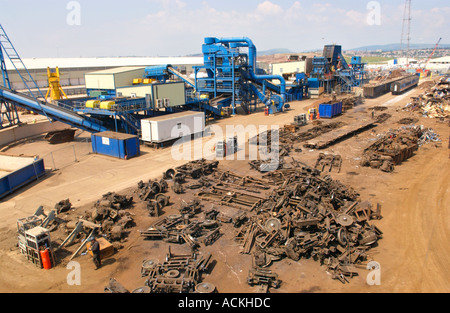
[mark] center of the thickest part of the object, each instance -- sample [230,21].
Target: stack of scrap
[428,136]
[434,103]
[350,102]
[329,161]
[289,139]
[153,193]
[179,273]
[392,148]
[184,228]
[310,215]
[110,214]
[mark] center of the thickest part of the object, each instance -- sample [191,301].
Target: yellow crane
[54,85]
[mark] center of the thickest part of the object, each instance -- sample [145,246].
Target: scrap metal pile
[109,216]
[433,103]
[310,215]
[329,161]
[179,273]
[290,136]
[294,213]
[392,148]
[185,228]
[153,193]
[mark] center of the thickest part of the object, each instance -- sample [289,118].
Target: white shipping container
[172,126]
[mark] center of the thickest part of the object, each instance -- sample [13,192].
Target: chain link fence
[67,155]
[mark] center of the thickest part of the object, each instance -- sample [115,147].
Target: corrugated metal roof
[67,63]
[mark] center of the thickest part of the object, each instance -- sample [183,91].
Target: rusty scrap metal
[198,168]
[308,214]
[182,228]
[329,161]
[179,273]
[392,148]
[60,136]
[434,102]
[262,276]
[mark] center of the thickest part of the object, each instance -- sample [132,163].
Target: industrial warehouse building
[73,70]
[439,64]
[288,68]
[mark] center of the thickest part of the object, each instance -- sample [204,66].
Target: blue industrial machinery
[230,70]
[332,71]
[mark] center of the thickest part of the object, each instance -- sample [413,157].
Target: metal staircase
[10,99]
[11,52]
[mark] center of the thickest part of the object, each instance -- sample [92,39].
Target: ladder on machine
[10,52]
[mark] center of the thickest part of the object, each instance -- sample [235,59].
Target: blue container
[330,110]
[20,177]
[313,83]
[356,60]
[118,145]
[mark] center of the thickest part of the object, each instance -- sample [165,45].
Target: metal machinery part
[147,266]
[172,274]
[205,288]
[342,236]
[209,223]
[272,224]
[344,219]
[144,289]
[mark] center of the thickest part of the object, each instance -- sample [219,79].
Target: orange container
[45,257]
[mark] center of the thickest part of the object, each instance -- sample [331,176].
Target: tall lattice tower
[406,30]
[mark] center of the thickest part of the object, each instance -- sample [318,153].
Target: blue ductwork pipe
[252,53]
[60,114]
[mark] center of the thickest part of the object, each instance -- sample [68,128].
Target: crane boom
[432,53]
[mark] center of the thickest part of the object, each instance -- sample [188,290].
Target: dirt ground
[415,198]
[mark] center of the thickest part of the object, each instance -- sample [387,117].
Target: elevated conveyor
[53,112]
[181,76]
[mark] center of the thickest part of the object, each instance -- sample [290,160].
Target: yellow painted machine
[54,86]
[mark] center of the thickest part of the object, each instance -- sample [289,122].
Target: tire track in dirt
[418,228]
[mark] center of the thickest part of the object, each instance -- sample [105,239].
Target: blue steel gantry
[230,73]
[331,71]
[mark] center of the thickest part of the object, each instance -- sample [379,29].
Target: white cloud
[269,8]
[301,25]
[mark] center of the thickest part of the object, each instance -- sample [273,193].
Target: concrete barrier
[15,133]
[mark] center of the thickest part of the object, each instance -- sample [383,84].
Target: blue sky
[178,27]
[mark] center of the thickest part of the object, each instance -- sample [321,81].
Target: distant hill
[396,46]
[274,51]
